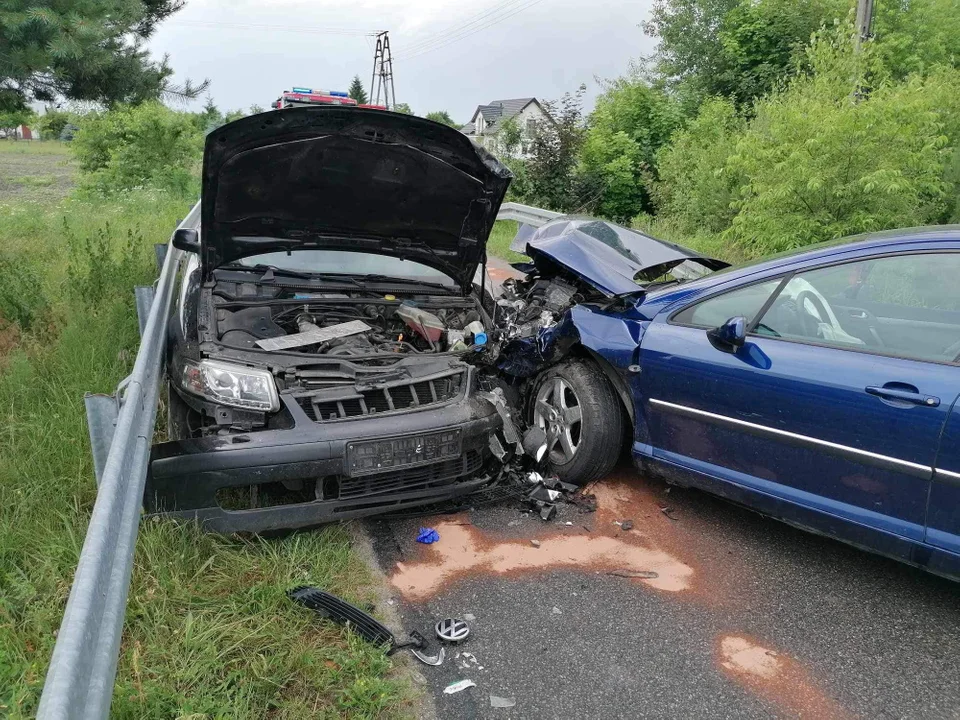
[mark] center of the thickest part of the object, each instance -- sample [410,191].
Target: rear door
[817,408]
[943,514]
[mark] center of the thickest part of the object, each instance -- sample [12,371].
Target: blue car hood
[609,257]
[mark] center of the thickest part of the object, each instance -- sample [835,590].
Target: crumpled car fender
[613,336]
[611,339]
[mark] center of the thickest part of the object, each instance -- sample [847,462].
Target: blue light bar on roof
[339,93]
[302,90]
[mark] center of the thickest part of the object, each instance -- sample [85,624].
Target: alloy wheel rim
[558,413]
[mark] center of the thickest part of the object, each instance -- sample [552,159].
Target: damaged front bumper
[319,473]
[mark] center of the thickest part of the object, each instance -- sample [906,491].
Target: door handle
[916,398]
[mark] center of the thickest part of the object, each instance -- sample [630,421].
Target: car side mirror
[186,239]
[730,336]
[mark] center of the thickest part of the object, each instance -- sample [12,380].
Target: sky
[448,54]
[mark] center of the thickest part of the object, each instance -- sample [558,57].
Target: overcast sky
[539,48]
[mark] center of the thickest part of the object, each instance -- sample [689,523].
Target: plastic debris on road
[458,686]
[502,702]
[427,536]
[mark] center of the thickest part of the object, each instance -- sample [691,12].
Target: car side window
[904,305]
[715,311]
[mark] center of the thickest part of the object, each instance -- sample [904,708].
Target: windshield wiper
[407,281]
[270,271]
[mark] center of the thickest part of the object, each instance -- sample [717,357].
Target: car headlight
[232,385]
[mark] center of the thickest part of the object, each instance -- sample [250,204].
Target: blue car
[818,387]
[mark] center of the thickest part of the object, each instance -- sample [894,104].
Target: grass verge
[209,632]
[500,238]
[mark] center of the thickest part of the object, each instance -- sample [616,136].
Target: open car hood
[338,178]
[611,258]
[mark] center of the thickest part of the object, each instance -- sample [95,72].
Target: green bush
[52,123]
[696,187]
[96,270]
[148,145]
[21,294]
[819,162]
[631,122]
[519,190]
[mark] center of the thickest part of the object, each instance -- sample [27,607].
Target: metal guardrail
[80,679]
[526,214]
[83,668]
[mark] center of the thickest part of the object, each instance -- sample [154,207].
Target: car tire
[178,425]
[594,432]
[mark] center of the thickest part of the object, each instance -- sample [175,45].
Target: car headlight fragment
[232,385]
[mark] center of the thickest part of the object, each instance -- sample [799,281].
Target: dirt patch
[464,550]
[775,677]
[658,552]
[675,547]
[42,173]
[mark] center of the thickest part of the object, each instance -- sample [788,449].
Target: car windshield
[342,262]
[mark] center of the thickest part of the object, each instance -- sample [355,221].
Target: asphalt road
[746,617]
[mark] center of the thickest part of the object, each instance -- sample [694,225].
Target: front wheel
[580,414]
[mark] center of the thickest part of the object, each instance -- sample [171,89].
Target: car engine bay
[354,325]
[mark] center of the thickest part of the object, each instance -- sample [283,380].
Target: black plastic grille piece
[342,613]
[381,400]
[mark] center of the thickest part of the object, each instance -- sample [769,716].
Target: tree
[234,115]
[914,37]
[509,136]
[689,53]
[818,164]
[13,119]
[554,151]
[83,50]
[210,117]
[402,108]
[52,123]
[734,48]
[630,124]
[357,92]
[442,116]
[695,188]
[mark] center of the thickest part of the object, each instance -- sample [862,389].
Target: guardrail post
[160,251]
[144,295]
[102,414]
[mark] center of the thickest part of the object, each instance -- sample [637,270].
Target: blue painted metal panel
[812,391]
[943,513]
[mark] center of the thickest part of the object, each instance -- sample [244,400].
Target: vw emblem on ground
[452,630]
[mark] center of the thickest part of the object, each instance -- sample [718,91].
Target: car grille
[411,478]
[381,400]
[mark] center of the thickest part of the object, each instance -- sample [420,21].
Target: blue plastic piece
[428,536]
[480,339]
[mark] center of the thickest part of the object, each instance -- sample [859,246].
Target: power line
[492,21]
[277,28]
[467,31]
[457,27]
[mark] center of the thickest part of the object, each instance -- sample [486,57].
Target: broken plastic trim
[343,613]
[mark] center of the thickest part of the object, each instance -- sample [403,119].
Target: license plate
[387,454]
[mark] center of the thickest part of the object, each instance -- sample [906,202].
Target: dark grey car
[327,351]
